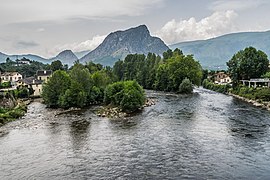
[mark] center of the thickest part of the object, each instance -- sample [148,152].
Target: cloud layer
[26,44]
[185,30]
[16,11]
[81,46]
[236,5]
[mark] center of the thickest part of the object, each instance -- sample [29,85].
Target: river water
[206,135]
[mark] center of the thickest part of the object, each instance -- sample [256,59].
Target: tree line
[122,85]
[153,72]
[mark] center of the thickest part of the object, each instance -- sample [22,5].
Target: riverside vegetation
[122,86]
[244,65]
[10,107]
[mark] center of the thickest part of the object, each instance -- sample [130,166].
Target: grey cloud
[222,5]
[26,44]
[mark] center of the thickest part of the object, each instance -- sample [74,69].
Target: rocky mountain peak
[120,43]
[66,56]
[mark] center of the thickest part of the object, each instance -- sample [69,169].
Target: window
[39,78]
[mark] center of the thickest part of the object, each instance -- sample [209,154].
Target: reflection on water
[206,135]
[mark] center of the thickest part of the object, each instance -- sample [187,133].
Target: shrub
[133,97]
[22,92]
[96,95]
[128,95]
[216,87]
[5,85]
[186,86]
[263,94]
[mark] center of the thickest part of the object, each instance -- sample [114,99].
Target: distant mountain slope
[32,57]
[66,57]
[81,53]
[3,57]
[120,43]
[213,53]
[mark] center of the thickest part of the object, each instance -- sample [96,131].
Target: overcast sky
[45,27]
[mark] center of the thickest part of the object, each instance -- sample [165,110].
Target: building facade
[10,76]
[44,75]
[32,83]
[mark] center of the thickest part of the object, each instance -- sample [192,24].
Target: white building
[10,76]
[22,62]
[222,78]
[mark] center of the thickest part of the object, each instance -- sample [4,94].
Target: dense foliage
[216,87]
[128,95]
[57,65]
[7,115]
[91,83]
[26,70]
[78,87]
[8,112]
[262,94]
[152,72]
[55,88]
[186,87]
[247,63]
[4,85]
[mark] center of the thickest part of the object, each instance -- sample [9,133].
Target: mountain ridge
[118,44]
[213,53]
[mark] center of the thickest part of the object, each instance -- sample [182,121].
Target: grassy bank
[259,96]
[7,115]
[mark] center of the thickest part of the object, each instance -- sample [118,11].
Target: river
[206,135]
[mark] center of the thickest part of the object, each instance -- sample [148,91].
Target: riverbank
[258,97]
[257,103]
[11,114]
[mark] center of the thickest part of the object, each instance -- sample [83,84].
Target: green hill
[214,53]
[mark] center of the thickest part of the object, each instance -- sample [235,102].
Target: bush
[4,85]
[22,92]
[186,87]
[7,115]
[263,94]
[128,95]
[216,87]
[96,95]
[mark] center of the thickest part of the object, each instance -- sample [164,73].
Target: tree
[55,88]
[78,93]
[186,87]
[118,69]
[175,69]
[246,64]
[167,54]
[57,65]
[129,95]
